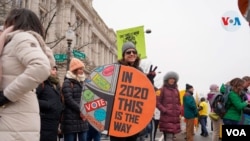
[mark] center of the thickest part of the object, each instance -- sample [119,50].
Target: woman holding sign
[130,58]
[73,123]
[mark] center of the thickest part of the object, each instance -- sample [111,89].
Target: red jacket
[169,104]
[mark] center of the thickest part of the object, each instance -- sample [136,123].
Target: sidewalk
[197,137]
[179,137]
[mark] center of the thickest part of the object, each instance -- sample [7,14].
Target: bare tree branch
[57,42]
[43,17]
[83,46]
[47,19]
[49,24]
[4,3]
[78,25]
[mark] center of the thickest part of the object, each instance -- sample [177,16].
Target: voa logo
[236,132]
[230,21]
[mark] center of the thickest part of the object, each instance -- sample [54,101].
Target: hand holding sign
[82,116]
[151,74]
[114,100]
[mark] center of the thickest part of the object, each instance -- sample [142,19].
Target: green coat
[235,106]
[190,108]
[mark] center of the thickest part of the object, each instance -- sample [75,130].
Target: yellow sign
[135,35]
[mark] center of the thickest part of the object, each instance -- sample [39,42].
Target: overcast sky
[188,36]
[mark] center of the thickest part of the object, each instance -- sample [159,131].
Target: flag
[135,35]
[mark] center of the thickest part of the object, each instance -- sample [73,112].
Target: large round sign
[118,100]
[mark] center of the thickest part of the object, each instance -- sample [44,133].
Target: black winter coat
[49,100]
[51,107]
[71,121]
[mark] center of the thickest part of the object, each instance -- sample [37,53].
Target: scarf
[54,80]
[2,43]
[79,78]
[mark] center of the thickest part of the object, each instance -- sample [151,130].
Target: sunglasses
[131,51]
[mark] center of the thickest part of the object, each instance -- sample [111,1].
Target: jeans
[82,136]
[203,122]
[93,134]
[151,129]
[156,127]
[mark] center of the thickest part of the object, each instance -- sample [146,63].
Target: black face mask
[190,92]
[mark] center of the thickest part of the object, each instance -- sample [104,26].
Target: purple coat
[169,104]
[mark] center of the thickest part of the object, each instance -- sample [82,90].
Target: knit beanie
[188,86]
[203,99]
[126,46]
[75,64]
[213,88]
[171,74]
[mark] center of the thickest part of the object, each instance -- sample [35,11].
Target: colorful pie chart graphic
[118,100]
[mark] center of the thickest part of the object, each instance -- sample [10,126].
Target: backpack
[219,100]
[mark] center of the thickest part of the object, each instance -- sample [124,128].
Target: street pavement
[180,136]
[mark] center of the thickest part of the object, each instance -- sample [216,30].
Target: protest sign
[119,100]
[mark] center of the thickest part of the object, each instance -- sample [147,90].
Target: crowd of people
[34,106]
[237,104]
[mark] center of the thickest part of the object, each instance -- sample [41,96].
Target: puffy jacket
[51,107]
[25,66]
[169,105]
[71,121]
[49,100]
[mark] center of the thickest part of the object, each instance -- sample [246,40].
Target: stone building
[92,36]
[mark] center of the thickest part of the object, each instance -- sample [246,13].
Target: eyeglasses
[131,51]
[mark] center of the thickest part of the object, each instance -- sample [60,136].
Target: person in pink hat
[215,124]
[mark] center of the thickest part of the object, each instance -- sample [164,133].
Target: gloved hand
[151,74]
[3,99]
